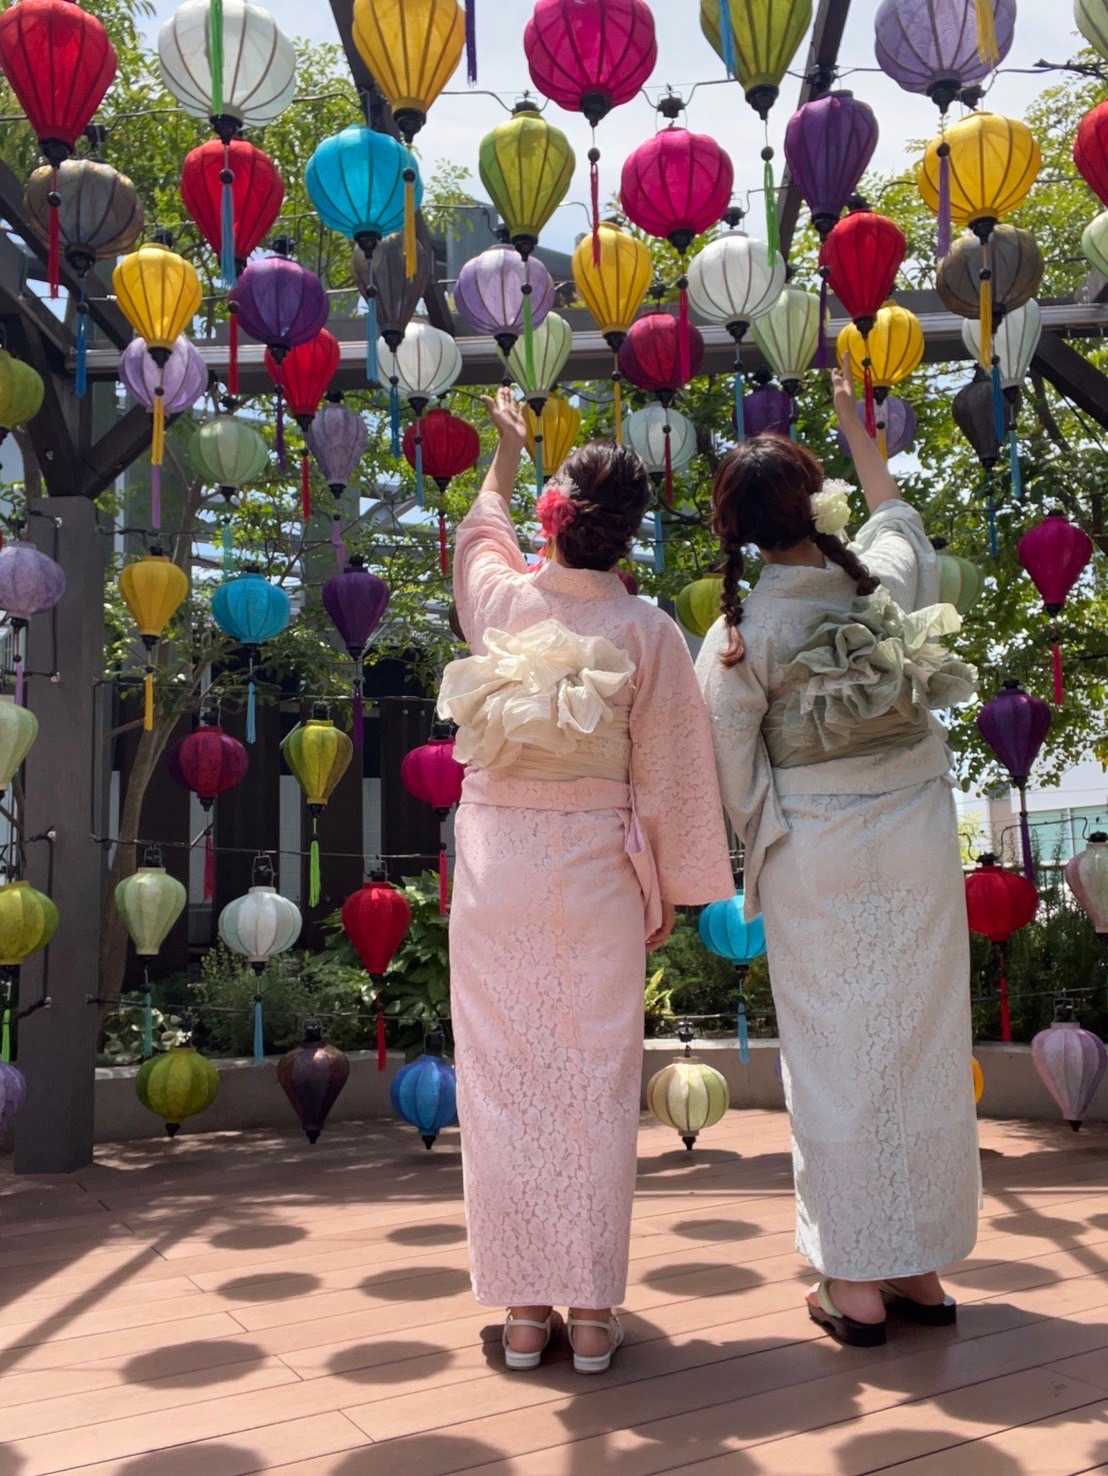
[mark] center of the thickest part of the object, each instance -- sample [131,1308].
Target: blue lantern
[252,611]
[424,1093]
[725,932]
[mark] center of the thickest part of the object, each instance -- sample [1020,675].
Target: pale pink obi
[544,724]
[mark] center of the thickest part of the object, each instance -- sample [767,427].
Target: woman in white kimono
[838,788]
[590,809]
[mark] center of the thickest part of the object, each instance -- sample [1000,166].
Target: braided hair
[610,490]
[762,495]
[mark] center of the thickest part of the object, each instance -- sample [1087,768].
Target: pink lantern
[1055,554]
[660,355]
[432,774]
[1071,1063]
[1087,878]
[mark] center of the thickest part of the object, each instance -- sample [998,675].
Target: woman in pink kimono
[590,811]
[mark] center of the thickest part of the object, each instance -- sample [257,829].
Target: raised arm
[507,416]
[877,481]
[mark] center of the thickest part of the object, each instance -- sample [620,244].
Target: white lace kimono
[838,788]
[894,546]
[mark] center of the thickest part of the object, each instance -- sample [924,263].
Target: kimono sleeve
[673,775]
[737,704]
[895,548]
[486,554]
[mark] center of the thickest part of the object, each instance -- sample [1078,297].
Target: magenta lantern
[1071,1063]
[356,601]
[661,354]
[1014,725]
[501,294]
[828,145]
[434,775]
[676,186]
[1055,554]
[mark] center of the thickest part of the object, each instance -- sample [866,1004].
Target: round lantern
[208,762]
[318,755]
[766,408]
[30,584]
[13,1089]
[150,901]
[1055,554]
[1087,878]
[725,932]
[412,48]
[896,420]
[666,441]
[527,165]
[165,390]
[18,731]
[312,1075]
[375,919]
[424,1092]
[1016,263]
[391,295]
[538,374]
[447,447]
[251,611]
[59,63]
[1014,725]
[28,921]
[976,414]
[1090,151]
[942,48]
[153,589]
[21,387]
[179,1085]
[432,774]
[260,925]
[677,186]
[960,580]
[356,183]
[501,294]
[281,304]
[660,355]
[998,904]
[885,357]
[978,1081]
[697,605]
[1094,243]
[828,146]
[756,42]
[1071,1063]
[788,336]
[1015,342]
[303,376]
[688,1095]
[246,80]
[356,601]
[232,185]
[425,365]
[552,435]
[228,453]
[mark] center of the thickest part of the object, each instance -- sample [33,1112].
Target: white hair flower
[831,508]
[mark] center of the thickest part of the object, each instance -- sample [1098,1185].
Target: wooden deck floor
[223,1305]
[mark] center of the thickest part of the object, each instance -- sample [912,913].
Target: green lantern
[18,730]
[698,605]
[142,1080]
[526,164]
[318,754]
[765,36]
[21,393]
[788,336]
[960,580]
[28,920]
[538,373]
[179,1084]
[1094,242]
[229,454]
[150,902]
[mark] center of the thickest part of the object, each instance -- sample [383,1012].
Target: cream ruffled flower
[831,508]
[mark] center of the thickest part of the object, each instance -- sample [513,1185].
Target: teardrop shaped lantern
[885,357]
[412,48]
[862,254]
[527,165]
[1087,878]
[1090,151]
[260,925]
[538,375]
[1014,725]
[942,48]
[234,193]
[318,755]
[208,762]
[28,921]
[1016,264]
[765,408]
[425,365]
[613,273]
[998,904]
[666,442]
[251,611]
[165,390]
[590,56]
[227,61]
[829,143]
[432,774]
[688,1095]
[391,295]
[312,1075]
[1094,243]
[303,376]
[501,294]
[661,355]
[13,1090]
[788,336]
[552,435]
[1092,21]
[448,448]
[30,584]
[960,580]
[697,605]
[356,601]
[1055,554]
[896,420]
[18,731]
[376,919]
[153,588]
[338,438]
[179,1085]
[1071,1063]
[424,1092]
[150,902]
[21,388]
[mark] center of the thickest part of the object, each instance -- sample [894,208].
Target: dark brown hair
[612,494]
[762,494]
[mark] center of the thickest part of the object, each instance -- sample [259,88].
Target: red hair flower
[556,511]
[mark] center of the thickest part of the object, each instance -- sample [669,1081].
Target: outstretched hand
[842,383]
[507,416]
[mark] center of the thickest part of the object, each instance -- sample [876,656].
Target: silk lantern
[281,304]
[766,408]
[1071,1063]
[1092,21]
[21,387]
[999,903]
[944,47]
[1090,151]
[1087,878]
[885,357]
[1014,725]
[552,435]
[167,389]
[227,61]
[613,279]
[1094,243]
[501,294]
[978,1081]
[153,588]
[391,295]
[251,611]
[450,447]
[660,355]
[432,774]
[788,336]
[666,441]
[426,364]
[28,921]
[208,762]
[30,584]
[1016,264]
[375,919]
[590,56]
[1015,342]
[356,601]
[688,1095]
[1055,553]
[259,926]
[974,412]
[18,731]
[896,422]
[318,755]
[179,1085]
[311,1076]
[527,165]
[13,1090]
[725,932]
[960,580]
[234,193]
[338,438]
[829,143]
[697,605]
[150,902]
[538,375]
[862,255]
[303,376]
[229,453]
[424,1092]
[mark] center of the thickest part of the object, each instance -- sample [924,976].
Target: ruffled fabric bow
[544,687]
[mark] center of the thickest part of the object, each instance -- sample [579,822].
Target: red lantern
[303,377]
[1090,150]
[861,256]
[629,582]
[59,62]
[209,762]
[236,180]
[1055,554]
[660,355]
[434,775]
[998,904]
[450,447]
[590,56]
[375,920]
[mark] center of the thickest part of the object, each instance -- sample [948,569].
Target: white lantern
[788,335]
[552,342]
[261,924]
[735,281]
[1094,242]
[150,901]
[1015,341]
[426,364]
[645,432]
[259,63]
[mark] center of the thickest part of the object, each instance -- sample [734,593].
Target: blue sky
[459,122]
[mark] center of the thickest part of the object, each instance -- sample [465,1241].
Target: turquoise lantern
[424,1092]
[725,932]
[357,181]
[251,611]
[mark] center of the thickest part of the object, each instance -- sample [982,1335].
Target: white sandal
[516,1360]
[602,1362]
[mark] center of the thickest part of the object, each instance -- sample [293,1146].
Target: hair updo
[762,495]
[610,492]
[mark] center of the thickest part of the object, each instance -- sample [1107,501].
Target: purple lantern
[498,292]
[280,303]
[30,584]
[356,601]
[184,378]
[338,439]
[828,145]
[766,408]
[13,1088]
[933,48]
[1071,1063]
[1014,725]
[900,425]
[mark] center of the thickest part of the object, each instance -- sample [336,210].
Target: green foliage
[123,1041]
[417,986]
[657,1004]
[700,983]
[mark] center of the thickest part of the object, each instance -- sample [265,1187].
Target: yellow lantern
[893,351]
[978,1080]
[21,393]
[28,920]
[698,605]
[177,1085]
[551,436]
[413,48]
[689,1096]
[613,290]
[765,36]
[154,589]
[318,755]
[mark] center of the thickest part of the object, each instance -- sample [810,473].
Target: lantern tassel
[54,248]
[727,38]
[394,417]
[773,238]
[209,866]
[157,434]
[883,441]
[471,42]
[155,497]
[1014,465]
[743,1031]
[1059,680]
[372,333]
[282,460]
[987,47]
[337,543]
[411,260]
[382,1046]
[227,224]
[594,195]
[1002,991]
[147,1023]
[617,406]
[870,401]
[80,377]
[259,1042]
[444,874]
[684,362]
[1025,837]
[228,549]
[740,409]
[305,485]
[251,708]
[666,430]
[358,733]
[824,292]
[794,415]
[314,880]
[148,699]
[942,238]
[998,402]
[215,55]
[233,351]
[444,559]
